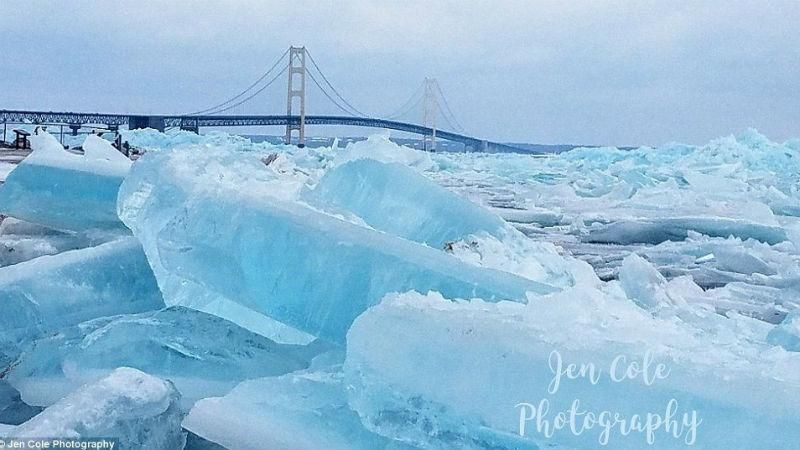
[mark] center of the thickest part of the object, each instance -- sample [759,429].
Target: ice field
[378,297]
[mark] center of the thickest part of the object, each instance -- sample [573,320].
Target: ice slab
[256,245]
[443,374]
[787,334]
[139,410]
[226,168]
[22,241]
[396,199]
[641,282]
[63,190]
[378,147]
[202,354]
[531,215]
[51,292]
[300,411]
[655,231]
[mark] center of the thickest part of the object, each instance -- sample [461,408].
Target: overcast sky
[589,72]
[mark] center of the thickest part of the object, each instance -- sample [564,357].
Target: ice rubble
[305,410]
[139,410]
[313,240]
[442,374]
[203,355]
[52,185]
[739,185]
[51,292]
[204,219]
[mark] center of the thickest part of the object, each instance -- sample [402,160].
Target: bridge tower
[429,111]
[297,89]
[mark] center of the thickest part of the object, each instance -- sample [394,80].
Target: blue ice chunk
[139,410]
[396,199]
[787,333]
[202,354]
[656,231]
[443,375]
[66,191]
[311,270]
[51,292]
[187,171]
[279,257]
[304,410]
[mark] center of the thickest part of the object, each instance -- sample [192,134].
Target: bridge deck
[195,122]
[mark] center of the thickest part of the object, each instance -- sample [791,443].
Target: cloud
[539,71]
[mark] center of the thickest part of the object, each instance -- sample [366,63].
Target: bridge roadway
[188,122]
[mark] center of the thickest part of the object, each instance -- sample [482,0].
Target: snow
[50,292]
[51,184]
[139,410]
[202,354]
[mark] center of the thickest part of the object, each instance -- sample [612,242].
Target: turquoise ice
[442,374]
[258,246]
[51,292]
[305,410]
[63,190]
[202,354]
[139,410]
[398,200]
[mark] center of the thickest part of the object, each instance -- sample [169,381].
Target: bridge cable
[260,90]
[333,100]
[409,104]
[324,78]
[240,94]
[447,106]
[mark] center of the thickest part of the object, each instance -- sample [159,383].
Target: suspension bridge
[300,66]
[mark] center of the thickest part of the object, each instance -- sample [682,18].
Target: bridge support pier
[75,127]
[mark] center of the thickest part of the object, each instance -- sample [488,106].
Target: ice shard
[51,292]
[305,410]
[442,374]
[787,334]
[396,199]
[139,410]
[253,243]
[202,354]
[63,190]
